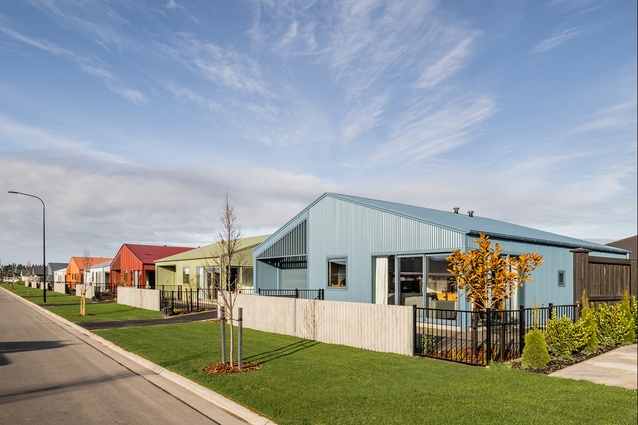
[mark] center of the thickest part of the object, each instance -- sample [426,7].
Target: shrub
[625,309]
[535,354]
[560,336]
[587,327]
[633,307]
[613,325]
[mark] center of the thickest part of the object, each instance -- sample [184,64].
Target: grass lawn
[68,306]
[305,382]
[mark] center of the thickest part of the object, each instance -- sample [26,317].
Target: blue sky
[131,119]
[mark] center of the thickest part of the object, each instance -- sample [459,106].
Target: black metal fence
[187,300]
[307,294]
[479,337]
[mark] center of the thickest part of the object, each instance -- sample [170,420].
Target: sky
[132,119]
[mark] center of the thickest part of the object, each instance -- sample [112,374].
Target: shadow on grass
[278,353]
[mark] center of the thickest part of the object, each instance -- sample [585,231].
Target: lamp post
[44,257]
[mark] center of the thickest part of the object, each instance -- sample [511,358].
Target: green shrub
[587,326]
[613,325]
[625,308]
[535,354]
[633,307]
[560,336]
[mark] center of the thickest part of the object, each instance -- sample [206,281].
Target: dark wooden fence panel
[604,279]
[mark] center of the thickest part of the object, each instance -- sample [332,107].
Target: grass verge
[68,306]
[305,382]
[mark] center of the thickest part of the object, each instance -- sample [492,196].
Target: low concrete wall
[90,291]
[148,299]
[384,328]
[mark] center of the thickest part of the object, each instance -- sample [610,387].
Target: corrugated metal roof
[208,250]
[475,225]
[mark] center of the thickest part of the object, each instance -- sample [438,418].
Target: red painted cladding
[134,265]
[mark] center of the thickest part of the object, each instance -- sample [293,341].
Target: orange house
[134,265]
[75,268]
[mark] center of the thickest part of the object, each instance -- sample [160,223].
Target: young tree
[488,278]
[86,263]
[228,242]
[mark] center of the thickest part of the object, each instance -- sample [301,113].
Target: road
[51,373]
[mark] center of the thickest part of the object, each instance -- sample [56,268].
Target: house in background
[630,244]
[52,269]
[134,265]
[197,267]
[98,274]
[372,251]
[76,266]
[34,276]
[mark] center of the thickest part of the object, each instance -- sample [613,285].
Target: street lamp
[44,256]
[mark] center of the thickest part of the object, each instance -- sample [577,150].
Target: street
[50,373]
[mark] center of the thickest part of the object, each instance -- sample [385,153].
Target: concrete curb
[228,405]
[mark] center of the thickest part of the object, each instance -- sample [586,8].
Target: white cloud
[556,40]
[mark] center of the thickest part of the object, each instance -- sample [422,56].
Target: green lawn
[304,382]
[68,306]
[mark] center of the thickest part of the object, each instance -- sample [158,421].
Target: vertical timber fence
[479,337]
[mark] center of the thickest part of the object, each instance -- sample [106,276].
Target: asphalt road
[52,374]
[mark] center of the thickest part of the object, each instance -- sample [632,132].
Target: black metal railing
[187,300]
[479,337]
[307,294]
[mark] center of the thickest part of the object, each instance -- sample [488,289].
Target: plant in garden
[560,336]
[535,354]
[613,325]
[633,306]
[625,308]
[587,325]
[487,277]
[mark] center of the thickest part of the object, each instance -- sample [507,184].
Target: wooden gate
[604,279]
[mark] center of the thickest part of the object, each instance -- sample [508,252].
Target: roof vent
[456,210]
[470,213]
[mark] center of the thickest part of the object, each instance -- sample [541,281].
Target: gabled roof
[79,261]
[211,250]
[101,265]
[147,254]
[471,226]
[57,266]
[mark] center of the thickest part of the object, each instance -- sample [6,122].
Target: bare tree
[228,243]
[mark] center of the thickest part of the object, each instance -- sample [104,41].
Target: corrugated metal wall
[342,229]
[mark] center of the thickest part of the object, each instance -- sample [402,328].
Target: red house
[134,265]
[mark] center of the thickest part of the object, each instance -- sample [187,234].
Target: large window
[337,272]
[186,275]
[442,292]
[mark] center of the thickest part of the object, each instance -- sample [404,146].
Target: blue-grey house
[372,251]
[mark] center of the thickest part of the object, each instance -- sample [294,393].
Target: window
[561,278]
[337,273]
[186,275]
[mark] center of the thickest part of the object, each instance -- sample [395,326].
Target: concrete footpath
[618,368]
[176,383]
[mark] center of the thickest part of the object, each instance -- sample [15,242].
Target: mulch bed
[227,368]
[556,364]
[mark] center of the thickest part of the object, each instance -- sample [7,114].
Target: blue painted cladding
[337,228]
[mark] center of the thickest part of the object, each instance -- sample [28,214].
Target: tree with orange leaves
[488,278]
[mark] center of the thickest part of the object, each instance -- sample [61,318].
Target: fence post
[222,316]
[488,348]
[321,294]
[521,328]
[258,291]
[296,292]
[551,311]
[240,362]
[414,330]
